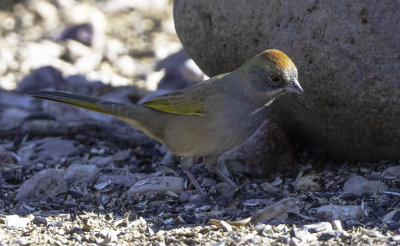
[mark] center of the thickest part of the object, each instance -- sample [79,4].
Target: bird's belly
[205,136]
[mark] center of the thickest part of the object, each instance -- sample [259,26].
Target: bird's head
[268,75]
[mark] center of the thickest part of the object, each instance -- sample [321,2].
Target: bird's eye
[276,79]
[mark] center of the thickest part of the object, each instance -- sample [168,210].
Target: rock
[81,173]
[48,182]
[39,220]
[225,226]
[309,183]
[83,13]
[371,233]
[318,227]
[391,173]
[266,150]
[54,148]
[13,117]
[337,225]
[16,221]
[359,185]
[101,161]
[83,57]
[10,100]
[159,185]
[180,72]
[7,160]
[122,155]
[342,213]
[346,55]
[126,66]
[128,179]
[304,235]
[43,77]
[34,55]
[393,215]
[82,33]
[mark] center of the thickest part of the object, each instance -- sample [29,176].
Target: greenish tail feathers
[90,103]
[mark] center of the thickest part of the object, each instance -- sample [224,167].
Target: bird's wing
[189,101]
[177,103]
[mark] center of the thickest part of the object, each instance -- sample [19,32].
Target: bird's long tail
[134,114]
[148,120]
[90,103]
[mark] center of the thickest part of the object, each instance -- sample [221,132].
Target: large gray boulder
[347,54]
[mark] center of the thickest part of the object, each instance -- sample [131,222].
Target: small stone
[43,77]
[128,179]
[371,233]
[101,161]
[395,238]
[318,227]
[309,183]
[225,226]
[223,189]
[81,173]
[122,155]
[263,229]
[10,100]
[157,185]
[295,242]
[55,148]
[393,215]
[391,173]
[340,212]
[39,220]
[48,182]
[359,185]
[13,117]
[337,225]
[268,187]
[16,221]
[304,235]
[82,33]
[7,160]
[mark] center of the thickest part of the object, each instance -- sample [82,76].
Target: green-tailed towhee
[208,118]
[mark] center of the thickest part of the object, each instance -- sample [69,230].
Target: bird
[208,118]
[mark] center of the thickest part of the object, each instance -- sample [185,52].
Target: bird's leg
[187,163]
[211,163]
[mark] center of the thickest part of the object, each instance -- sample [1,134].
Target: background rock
[347,55]
[48,182]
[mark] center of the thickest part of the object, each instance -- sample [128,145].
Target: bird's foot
[226,179]
[195,183]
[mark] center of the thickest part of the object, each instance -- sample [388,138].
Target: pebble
[128,179]
[309,183]
[391,173]
[318,227]
[82,173]
[395,238]
[101,161]
[225,226]
[158,185]
[304,235]
[337,225]
[17,221]
[48,182]
[342,213]
[359,185]
[55,148]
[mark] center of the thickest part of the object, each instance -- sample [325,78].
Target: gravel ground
[72,177]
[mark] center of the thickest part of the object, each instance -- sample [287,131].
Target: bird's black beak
[294,86]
